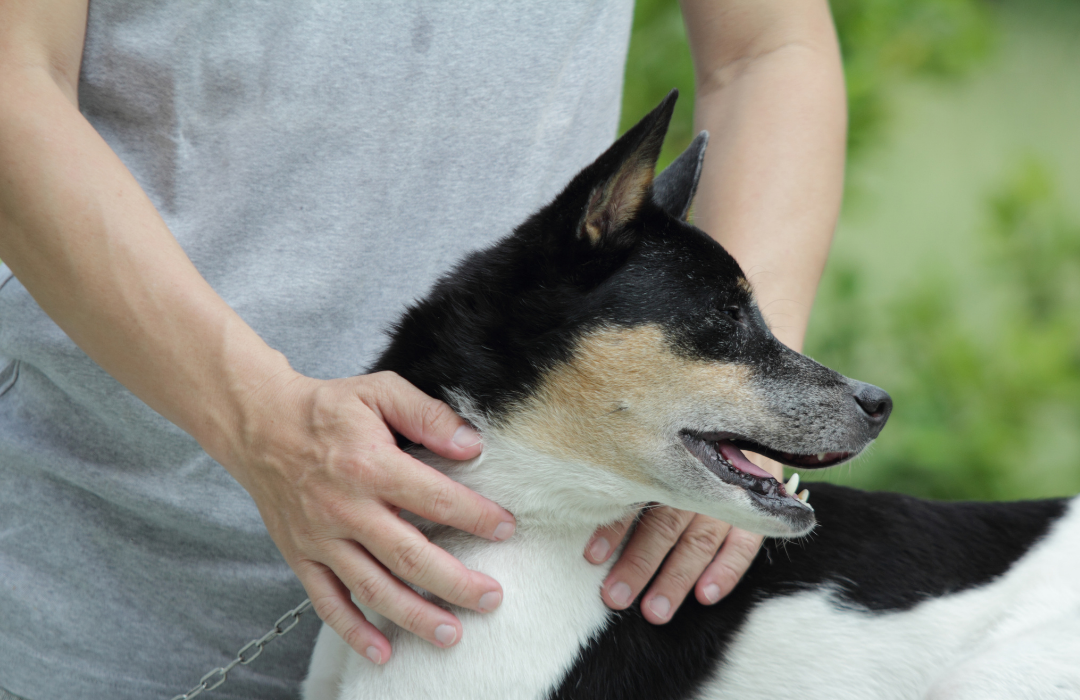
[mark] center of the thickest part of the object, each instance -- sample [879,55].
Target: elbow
[794,56]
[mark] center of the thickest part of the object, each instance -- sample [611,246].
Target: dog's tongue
[739,461]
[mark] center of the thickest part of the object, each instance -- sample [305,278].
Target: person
[208,213]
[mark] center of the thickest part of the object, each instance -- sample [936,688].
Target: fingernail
[503,531]
[489,601]
[374,654]
[621,594]
[599,549]
[445,635]
[712,592]
[660,606]
[466,436]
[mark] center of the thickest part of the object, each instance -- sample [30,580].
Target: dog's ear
[623,176]
[674,188]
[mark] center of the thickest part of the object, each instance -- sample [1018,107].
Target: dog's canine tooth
[821,456]
[792,484]
[804,495]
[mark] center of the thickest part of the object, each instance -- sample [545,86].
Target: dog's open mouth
[723,456]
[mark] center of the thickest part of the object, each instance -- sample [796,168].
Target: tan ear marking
[616,202]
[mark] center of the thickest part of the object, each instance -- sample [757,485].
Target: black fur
[882,552]
[505,315]
[675,188]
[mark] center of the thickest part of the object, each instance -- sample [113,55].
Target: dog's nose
[875,404]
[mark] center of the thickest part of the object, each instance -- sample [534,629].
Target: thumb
[423,419]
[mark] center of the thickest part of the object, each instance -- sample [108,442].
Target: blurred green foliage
[658,60]
[985,406]
[987,403]
[882,41]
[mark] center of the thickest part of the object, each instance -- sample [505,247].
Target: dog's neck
[552,604]
[545,493]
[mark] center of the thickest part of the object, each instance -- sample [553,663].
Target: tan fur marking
[615,204]
[620,403]
[745,286]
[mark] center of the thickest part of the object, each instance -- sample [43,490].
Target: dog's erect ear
[626,172]
[674,188]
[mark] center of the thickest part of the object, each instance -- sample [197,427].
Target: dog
[611,355]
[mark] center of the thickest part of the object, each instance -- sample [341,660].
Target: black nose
[876,405]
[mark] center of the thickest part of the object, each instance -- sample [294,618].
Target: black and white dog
[612,355]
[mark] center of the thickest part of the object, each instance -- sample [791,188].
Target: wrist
[250,385]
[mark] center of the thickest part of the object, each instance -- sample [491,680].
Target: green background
[954,278]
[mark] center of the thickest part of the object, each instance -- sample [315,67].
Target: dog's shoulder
[871,553]
[889,551]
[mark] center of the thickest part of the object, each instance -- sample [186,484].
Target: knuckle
[384,377]
[703,541]
[409,560]
[328,608]
[458,591]
[413,618]
[381,384]
[433,415]
[745,547]
[333,611]
[726,577]
[356,636]
[681,578]
[364,470]
[371,590]
[638,565]
[664,523]
[440,506]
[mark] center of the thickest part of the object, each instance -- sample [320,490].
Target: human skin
[318,457]
[770,91]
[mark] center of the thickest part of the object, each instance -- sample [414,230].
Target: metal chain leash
[255,647]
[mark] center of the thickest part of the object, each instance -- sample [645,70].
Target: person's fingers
[657,531]
[432,495]
[409,555]
[376,588]
[331,602]
[735,557]
[691,556]
[606,539]
[421,418]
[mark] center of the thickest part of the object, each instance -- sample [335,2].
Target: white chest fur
[551,594]
[551,607]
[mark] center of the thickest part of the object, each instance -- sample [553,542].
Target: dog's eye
[734,312]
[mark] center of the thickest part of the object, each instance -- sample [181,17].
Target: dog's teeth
[792,484]
[821,456]
[804,495]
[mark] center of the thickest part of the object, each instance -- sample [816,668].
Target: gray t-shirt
[321,163]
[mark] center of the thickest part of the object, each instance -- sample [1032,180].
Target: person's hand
[697,552]
[320,460]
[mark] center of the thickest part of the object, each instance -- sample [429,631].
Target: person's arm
[318,457]
[770,92]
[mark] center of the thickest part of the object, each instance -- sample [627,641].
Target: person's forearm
[774,104]
[80,234]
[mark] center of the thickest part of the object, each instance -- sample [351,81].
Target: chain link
[218,675]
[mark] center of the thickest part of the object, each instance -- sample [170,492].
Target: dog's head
[608,333]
